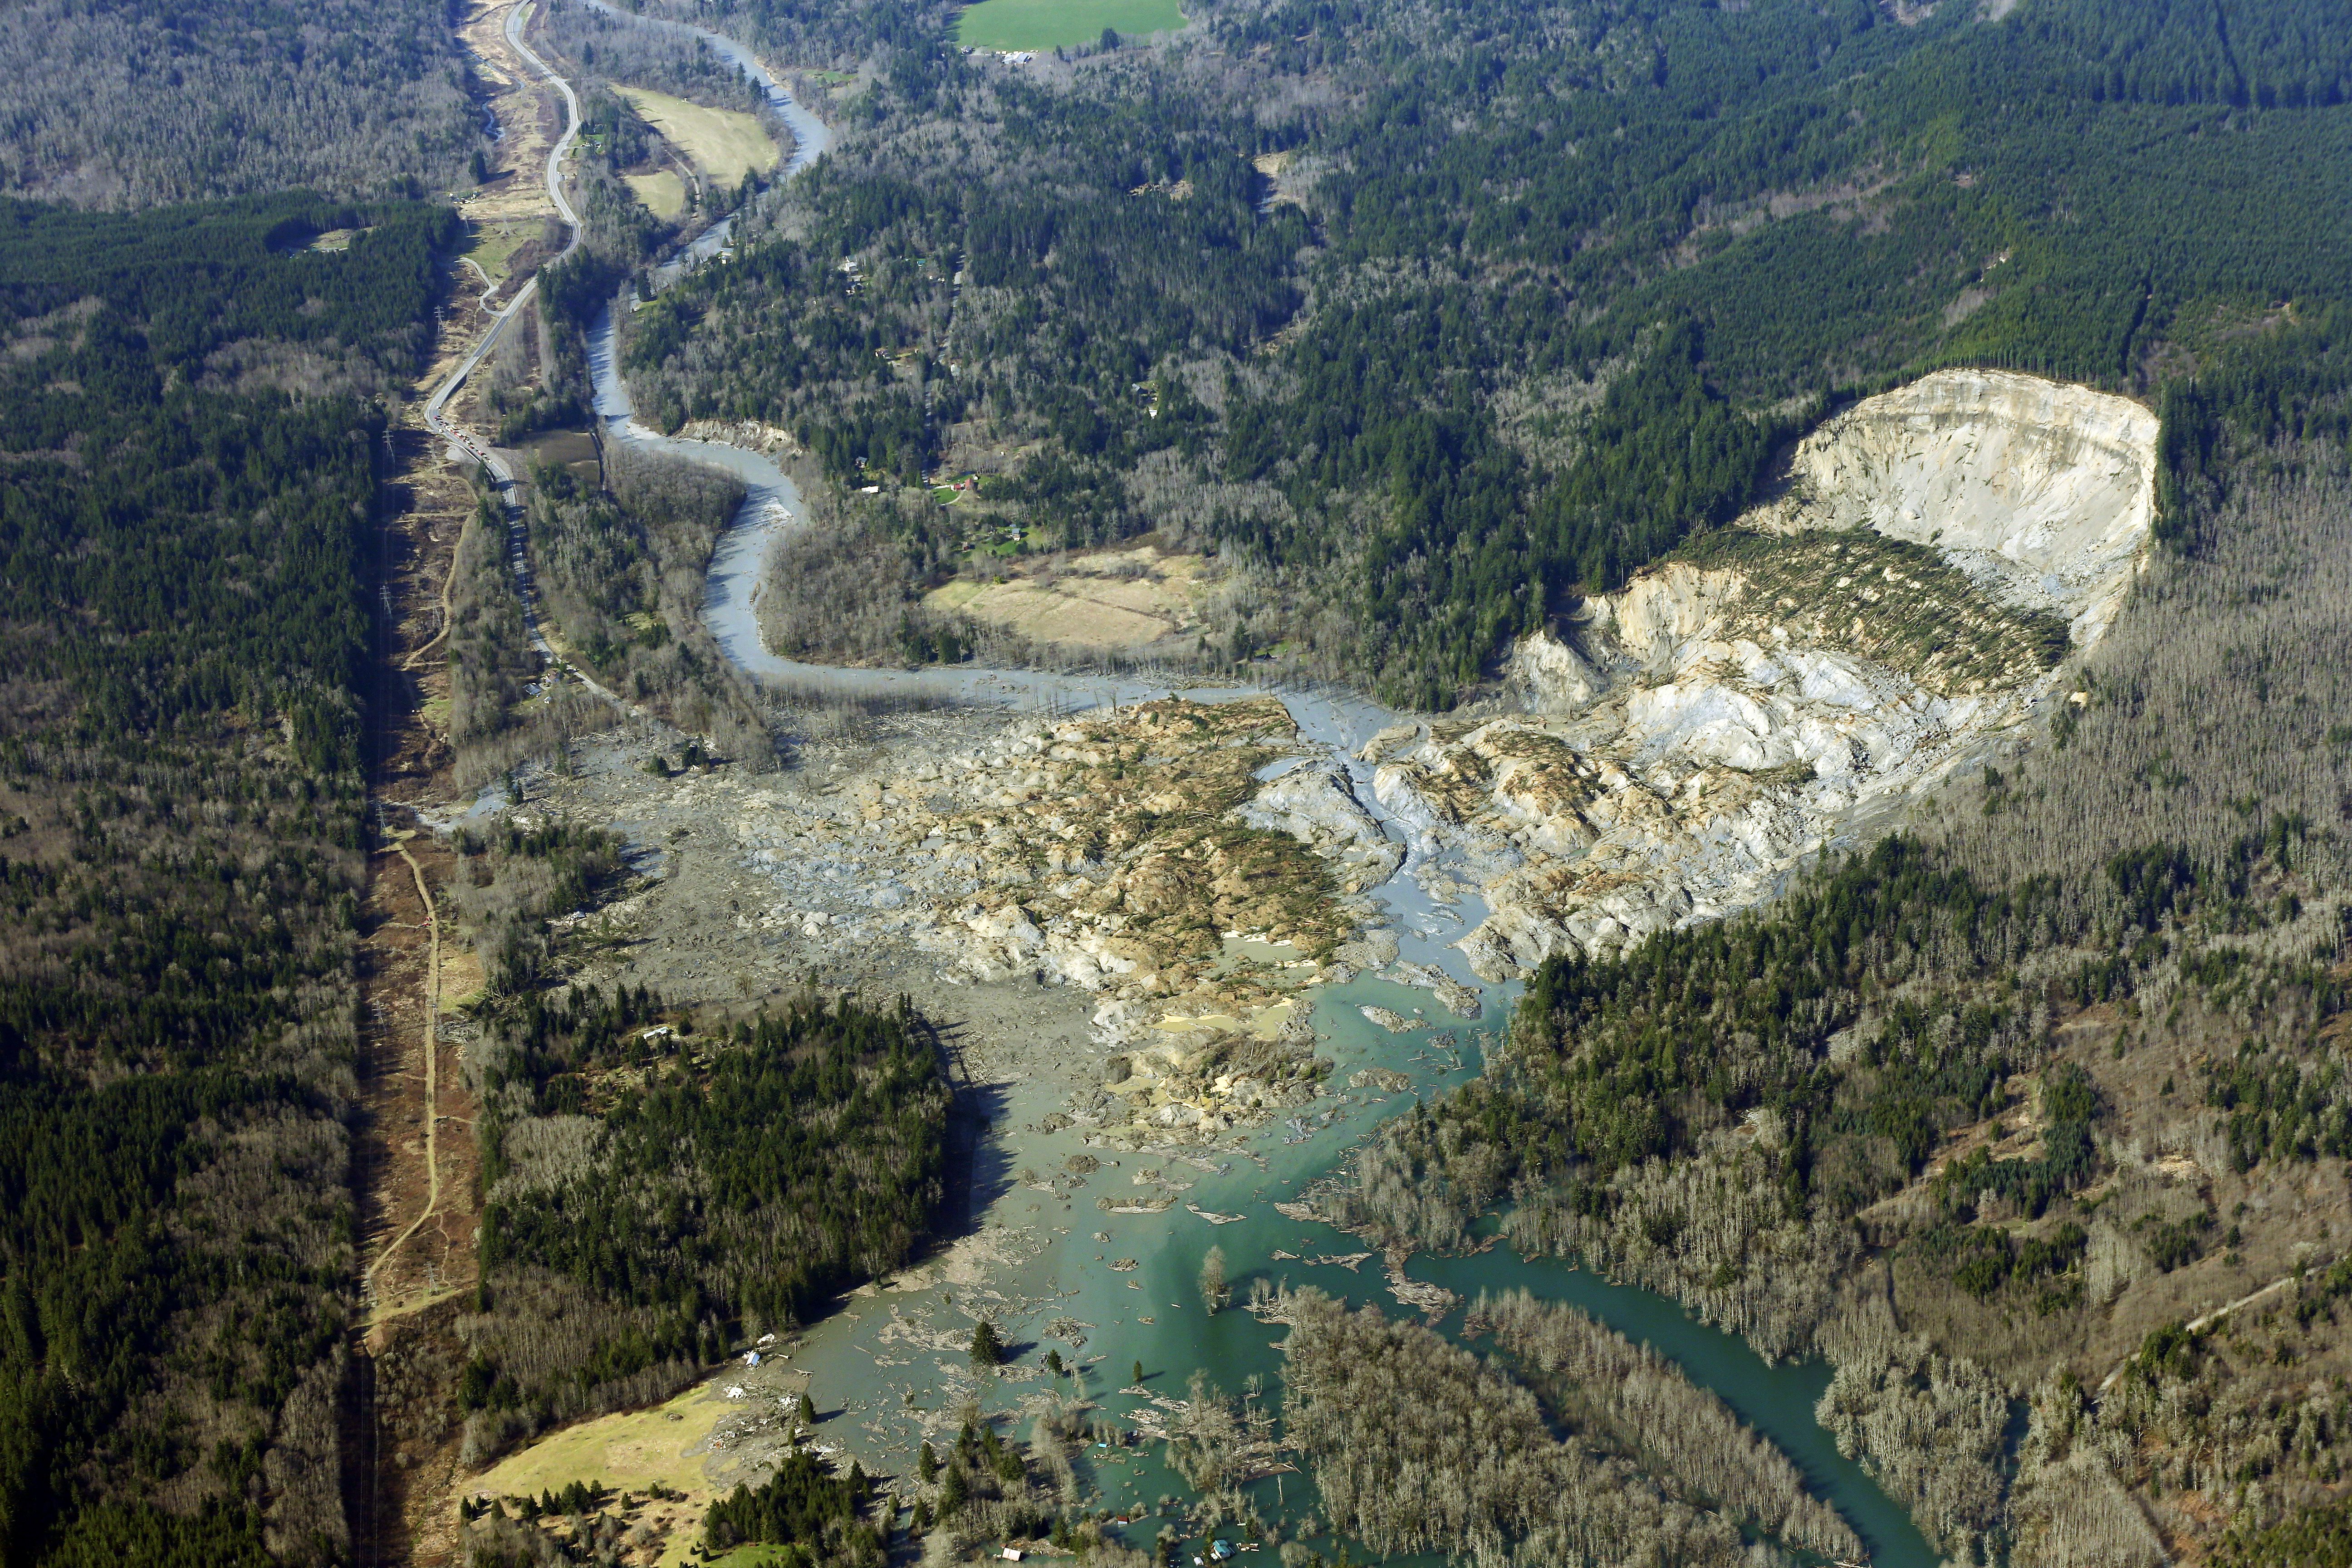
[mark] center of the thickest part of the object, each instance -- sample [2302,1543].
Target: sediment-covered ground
[1122,918]
[1129,869]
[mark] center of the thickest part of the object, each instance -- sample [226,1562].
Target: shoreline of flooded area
[1093,1251]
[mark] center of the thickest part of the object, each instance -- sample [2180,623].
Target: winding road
[811,137]
[434,406]
[772,503]
[435,411]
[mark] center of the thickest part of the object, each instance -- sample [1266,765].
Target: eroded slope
[1902,608]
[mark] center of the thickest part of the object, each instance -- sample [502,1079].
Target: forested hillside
[187,514]
[2007,1107]
[1425,320]
[654,1193]
[132,103]
[1428,319]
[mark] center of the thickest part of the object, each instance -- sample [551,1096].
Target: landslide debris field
[1106,872]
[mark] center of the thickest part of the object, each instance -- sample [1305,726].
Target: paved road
[515,20]
[447,389]
[436,418]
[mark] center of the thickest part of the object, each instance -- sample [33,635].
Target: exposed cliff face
[2041,492]
[1776,685]
[1901,607]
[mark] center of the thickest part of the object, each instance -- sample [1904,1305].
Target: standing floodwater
[1051,1261]
[1107,1291]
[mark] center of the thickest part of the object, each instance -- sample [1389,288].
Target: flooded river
[1050,1264]
[893,1364]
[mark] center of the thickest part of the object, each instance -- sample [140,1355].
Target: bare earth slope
[2040,491]
[1779,684]
[1900,609]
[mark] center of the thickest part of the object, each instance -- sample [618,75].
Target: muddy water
[891,1369]
[771,505]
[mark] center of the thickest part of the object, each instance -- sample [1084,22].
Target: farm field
[663,192]
[1114,599]
[725,143]
[1051,24]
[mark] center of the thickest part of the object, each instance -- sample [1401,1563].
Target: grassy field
[757,1554]
[626,1452]
[664,193]
[1049,24]
[724,143]
[495,243]
[1101,599]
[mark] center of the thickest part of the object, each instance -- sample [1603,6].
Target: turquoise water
[891,1365]
[1777,1401]
[891,1370]
[1058,1271]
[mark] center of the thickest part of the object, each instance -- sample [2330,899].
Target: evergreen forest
[654,1196]
[188,514]
[132,104]
[1411,328]
[1430,320]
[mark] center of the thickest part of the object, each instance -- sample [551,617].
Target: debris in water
[1350,1261]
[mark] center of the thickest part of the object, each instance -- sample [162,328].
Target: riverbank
[1082,1236]
[1072,1235]
[811,135]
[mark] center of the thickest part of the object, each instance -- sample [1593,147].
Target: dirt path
[415,1160]
[414,1157]
[2199,1325]
[448,581]
[432,1065]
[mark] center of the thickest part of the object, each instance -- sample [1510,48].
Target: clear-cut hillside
[1902,606]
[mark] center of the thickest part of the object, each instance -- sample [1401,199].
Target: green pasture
[1051,24]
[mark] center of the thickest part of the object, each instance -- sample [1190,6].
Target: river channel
[811,135]
[889,1369]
